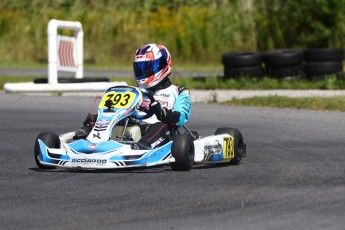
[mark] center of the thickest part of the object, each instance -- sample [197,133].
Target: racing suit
[173,111]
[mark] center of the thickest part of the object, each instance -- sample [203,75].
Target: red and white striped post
[64,53]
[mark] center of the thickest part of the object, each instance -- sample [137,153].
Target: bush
[195,31]
[300,24]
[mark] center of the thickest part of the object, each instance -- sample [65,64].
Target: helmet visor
[145,69]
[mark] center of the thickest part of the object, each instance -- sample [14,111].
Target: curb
[226,95]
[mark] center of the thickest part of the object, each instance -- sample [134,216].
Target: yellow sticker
[228,148]
[119,100]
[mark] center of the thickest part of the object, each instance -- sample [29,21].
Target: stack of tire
[73,80]
[239,64]
[320,62]
[284,63]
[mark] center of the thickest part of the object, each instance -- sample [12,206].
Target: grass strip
[313,103]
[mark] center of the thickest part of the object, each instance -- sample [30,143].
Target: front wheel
[51,140]
[239,146]
[182,150]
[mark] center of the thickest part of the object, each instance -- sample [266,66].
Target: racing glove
[163,114]
[156,108]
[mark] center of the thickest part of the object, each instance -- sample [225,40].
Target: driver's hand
[144,105]
[156,108]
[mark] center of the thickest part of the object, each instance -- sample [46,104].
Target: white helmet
[152,63]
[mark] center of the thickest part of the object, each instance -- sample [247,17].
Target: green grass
[113,30]
[195,32]
[14,79]
[315,103]
[331,82]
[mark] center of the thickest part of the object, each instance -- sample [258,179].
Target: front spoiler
[123,157]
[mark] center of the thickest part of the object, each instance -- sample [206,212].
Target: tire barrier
[323,61]
[324,55]
[73,80]
[286,71]
[283,63]
[237,64]
[253,71]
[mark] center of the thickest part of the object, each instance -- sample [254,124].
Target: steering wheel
[147,112]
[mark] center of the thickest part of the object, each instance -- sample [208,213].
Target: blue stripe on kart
[84,146]
[157,155]
[216,157]
[150,157]
[44,156]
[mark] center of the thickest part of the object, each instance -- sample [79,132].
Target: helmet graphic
[152,63]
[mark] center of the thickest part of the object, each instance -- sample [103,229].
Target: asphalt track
[292,177]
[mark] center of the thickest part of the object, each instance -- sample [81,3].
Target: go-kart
[109,144]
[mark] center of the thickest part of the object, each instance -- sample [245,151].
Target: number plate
[120,100]
[228,148]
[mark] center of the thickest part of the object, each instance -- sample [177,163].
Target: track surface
[292,178]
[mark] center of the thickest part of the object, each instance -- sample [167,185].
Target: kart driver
[172,106]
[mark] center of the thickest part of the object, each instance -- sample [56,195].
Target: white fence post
[65,53]
[73,52]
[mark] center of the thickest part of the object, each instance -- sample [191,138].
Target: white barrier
[30,87]
[65,53]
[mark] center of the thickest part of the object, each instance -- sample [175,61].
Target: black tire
[323,68]
[51,140]
[182,150]
[324,55]
[235,72]
[238,143]
[241,59]
[286,71]
[283,57]
[73,80]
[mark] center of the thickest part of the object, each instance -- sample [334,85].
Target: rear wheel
[239,146]
[51,140]
[182,150]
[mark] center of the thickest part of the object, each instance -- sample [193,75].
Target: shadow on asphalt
[152,169]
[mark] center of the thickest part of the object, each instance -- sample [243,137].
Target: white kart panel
[216,148]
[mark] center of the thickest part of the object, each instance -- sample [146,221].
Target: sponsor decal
[89,161]
[121,89]
[128,110]
[103,122]
[97,135]
[163,95]
[157,142]
[212,149]
[92,147]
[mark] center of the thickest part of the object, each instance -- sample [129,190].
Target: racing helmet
[152,63]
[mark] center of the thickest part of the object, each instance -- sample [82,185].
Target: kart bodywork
[109,145]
